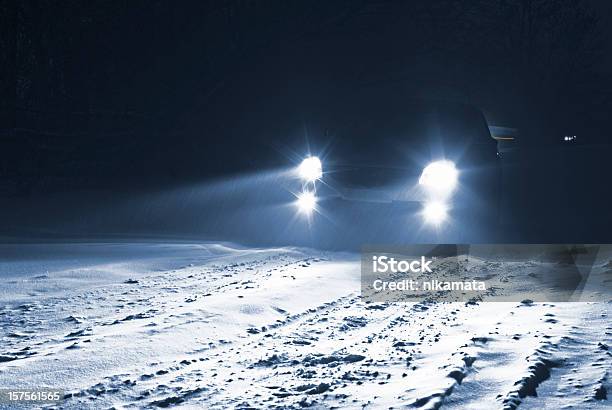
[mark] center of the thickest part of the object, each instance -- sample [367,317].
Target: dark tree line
[141,87]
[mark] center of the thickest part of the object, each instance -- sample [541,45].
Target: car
[412,169]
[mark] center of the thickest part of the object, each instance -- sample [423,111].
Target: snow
[207,325]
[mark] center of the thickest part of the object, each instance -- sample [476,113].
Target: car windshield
[373,130]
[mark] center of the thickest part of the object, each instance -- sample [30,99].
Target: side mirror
[506,138]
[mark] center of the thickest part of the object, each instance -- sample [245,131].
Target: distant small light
[306,202]
[435,212]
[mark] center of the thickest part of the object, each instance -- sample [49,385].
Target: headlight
[310,169]
[439,177]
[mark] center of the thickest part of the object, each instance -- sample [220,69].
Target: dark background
[102,100]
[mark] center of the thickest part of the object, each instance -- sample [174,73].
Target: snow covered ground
[219,326]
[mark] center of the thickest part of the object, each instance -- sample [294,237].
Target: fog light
[435,212]
[306,202]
